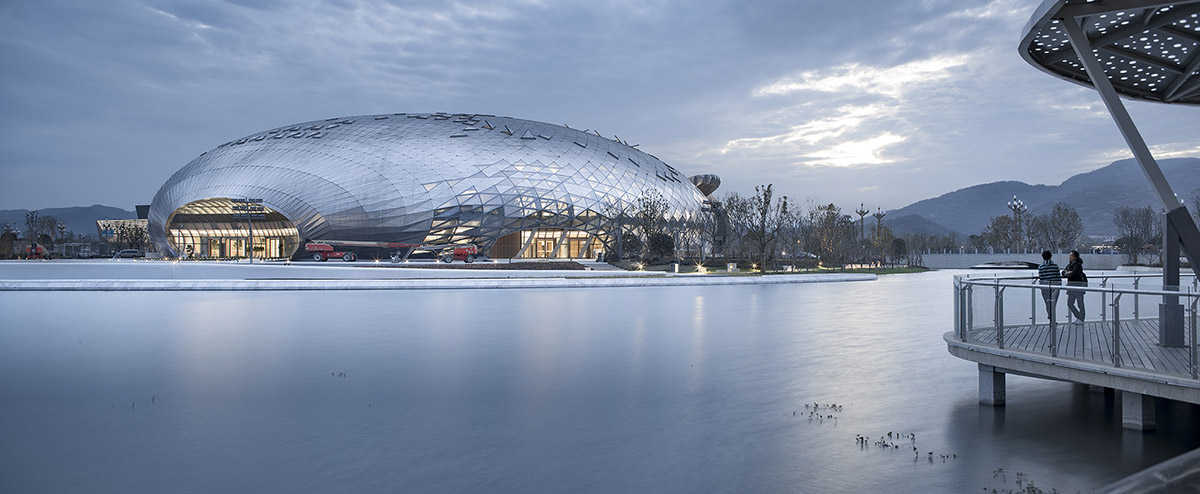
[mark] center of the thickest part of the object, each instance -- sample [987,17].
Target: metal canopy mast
[1152,50]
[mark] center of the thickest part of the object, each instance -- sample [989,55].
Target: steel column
[1083,49]
[525,246]
[561,238]
[1186,228]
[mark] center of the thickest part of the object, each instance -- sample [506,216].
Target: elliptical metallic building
[516,188]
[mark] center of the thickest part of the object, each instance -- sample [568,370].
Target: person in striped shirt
[1048,274]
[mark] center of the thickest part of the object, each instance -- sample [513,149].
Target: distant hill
[1095,194]
[912,224]
[79,219]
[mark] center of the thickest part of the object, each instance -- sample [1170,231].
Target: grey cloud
[145,86]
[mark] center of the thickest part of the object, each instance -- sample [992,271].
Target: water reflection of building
[516,188]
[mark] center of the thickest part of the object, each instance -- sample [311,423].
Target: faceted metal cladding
[429,178]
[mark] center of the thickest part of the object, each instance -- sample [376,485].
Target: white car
[129,253]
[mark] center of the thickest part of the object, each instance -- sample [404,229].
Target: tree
[737,220]
[651,214]
[898,249]
[7,239]
[661,245]
[706,230]
[1136,227]
[831,234]
[882,238]
[1041,232]
[632,242]
[977,242]
[766,219]
[1002,232]
[1065,225]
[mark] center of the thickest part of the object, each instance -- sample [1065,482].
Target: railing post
[1136,279]
[958,310]
[999,307]
[970,307]
[1053,320]
[1103,300]
[1116,321]
[1033,305]
[1195,299]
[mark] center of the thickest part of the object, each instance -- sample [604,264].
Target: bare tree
[767,217]
[1137,227]
[651,212]
[737,216]
[883,239]
[1065,225]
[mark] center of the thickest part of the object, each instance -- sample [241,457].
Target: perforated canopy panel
[1148,48]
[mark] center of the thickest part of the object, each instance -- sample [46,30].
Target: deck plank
[1092,341]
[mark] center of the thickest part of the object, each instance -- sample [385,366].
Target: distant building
[516,188]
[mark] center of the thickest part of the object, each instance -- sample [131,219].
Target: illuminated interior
[540,244]
[206,229]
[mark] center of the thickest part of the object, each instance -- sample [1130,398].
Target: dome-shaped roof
[426,177]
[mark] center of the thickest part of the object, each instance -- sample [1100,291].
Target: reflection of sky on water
[640,389]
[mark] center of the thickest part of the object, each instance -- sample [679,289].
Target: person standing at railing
[1048,274]
[1075,277]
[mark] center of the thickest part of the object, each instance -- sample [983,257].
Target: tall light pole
[1018,208]
[862,213]
[879,214]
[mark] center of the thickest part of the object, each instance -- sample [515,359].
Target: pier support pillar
[991,386]
[1137,411]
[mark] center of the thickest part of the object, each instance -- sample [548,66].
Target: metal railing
[980,308]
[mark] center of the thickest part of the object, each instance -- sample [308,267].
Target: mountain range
[1096,195]
[79,219]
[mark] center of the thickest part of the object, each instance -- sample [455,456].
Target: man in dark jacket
[1048,275]
[1075,277]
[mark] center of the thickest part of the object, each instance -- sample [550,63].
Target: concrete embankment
[415,284]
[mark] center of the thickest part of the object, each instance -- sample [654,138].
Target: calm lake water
[670,389]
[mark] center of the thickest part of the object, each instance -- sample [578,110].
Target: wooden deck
[1093,342]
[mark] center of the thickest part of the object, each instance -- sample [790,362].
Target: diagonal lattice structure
[424,178]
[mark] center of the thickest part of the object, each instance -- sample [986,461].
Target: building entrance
[206,230]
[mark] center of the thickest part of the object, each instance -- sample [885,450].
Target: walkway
[1124,354]
[1092,341]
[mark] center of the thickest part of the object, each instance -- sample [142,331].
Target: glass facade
[429,178]
[560,243]
[207,229]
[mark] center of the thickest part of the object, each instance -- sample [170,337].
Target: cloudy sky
[879,101]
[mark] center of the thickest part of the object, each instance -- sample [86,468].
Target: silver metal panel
[425,178]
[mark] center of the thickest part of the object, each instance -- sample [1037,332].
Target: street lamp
[862,212]
[879,214]
[1018,208]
